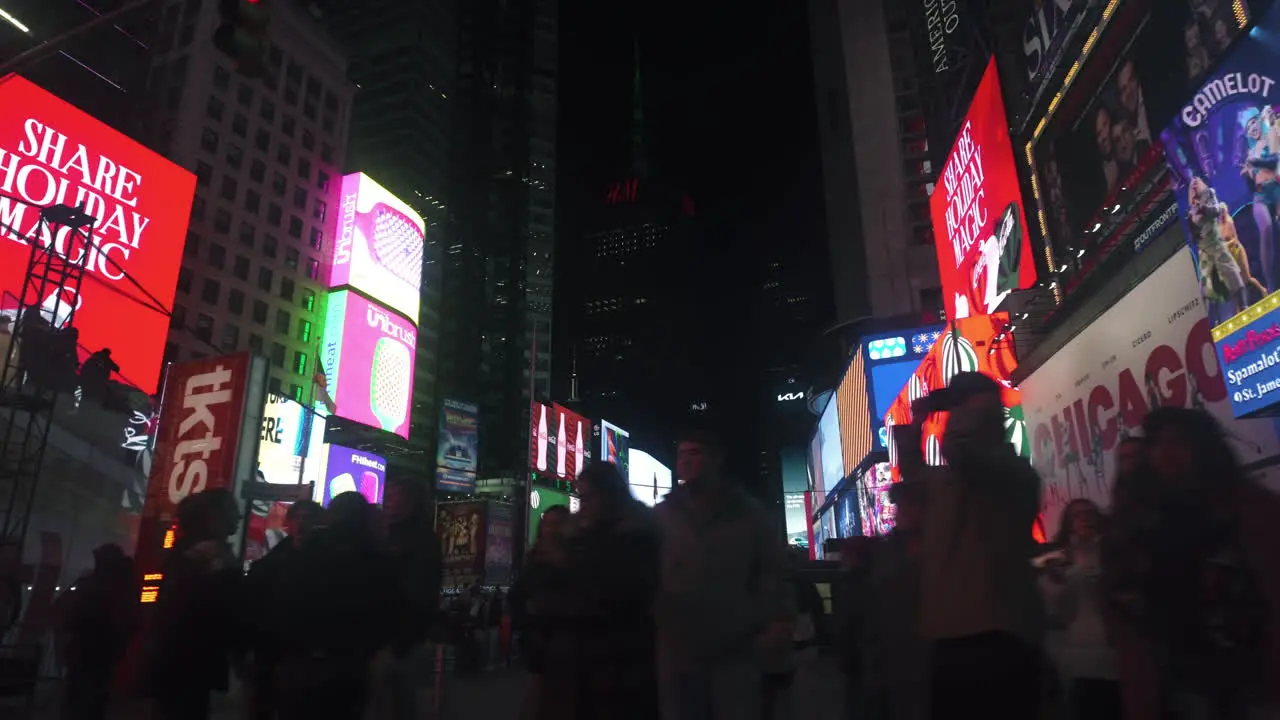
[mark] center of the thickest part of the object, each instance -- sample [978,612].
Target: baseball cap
[963,386]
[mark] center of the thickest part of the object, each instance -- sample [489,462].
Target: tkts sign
[51,154]
[202,441]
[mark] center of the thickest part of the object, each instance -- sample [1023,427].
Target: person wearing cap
[980,608]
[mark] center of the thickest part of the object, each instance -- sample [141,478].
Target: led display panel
[980,229]
[540,500]
[289,431]
[458,447]
[650,480]
[368,358]
[615,446]
[52,153]
[377,248]
[350,470]
[571,442]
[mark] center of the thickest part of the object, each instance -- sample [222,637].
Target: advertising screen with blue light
[891,358]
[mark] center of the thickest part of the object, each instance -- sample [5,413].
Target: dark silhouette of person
[95,375]
[100,618]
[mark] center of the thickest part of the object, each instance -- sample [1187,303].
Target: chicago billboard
[368,357]
[378,246]
[458,448]
[52,153]
[979,226]
[1151,349]
[1222,149]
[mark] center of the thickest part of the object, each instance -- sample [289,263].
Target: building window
[282,321]
[296,390]
[304,169]
[262,140]
[230,337]
[235,301]
[235,156]
[211,291]
[319,211]
[277,184]
[221,78]
[270,247]
[300,363]
[252,201]
[222,221]
[247,233]
[287,288]
[274,214]
[288,125]
[277,356]
[184,280]
[267,111]
[255,343]
[244,95]
[240,269]
[192,247]
[304,331]
[300,198]
[197,208]
[308,140]
[209,140]
[204,173]
[204,327]
[178,319]
[217,256]
[317,238]
[259,312]
[214,108]
[240,125]
[291,258]
[313,268]
[322,181]
[228,188]
[309,300]
[326,153]
[257,170]
[284,155]
[309,109]
[265,279]
[295,226]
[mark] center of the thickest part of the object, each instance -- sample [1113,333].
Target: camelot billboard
[52,153]
[377,248]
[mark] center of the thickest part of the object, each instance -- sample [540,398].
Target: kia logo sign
[791,396]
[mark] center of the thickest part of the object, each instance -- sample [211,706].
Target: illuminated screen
[1222,148]
[50,153]
[817,484]
[377,248]
[829,452]
[350,470]
[968,345]
[571,442]
[289,431]
[615,446]
[876,511]
[887,381]
[458,447]
[851,411]
[368,362]
[984,251]
[650,480]
[540,499]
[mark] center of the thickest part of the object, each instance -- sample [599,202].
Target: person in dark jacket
[101,616]
[600,657]
[337,606]
[532,598]
[264,577]
[196,614]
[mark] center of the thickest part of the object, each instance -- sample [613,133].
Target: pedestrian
[101,616]
[851,596]
[197,626]
[600,659]
[980,606]
[532,600]
[261,585]
[723,601]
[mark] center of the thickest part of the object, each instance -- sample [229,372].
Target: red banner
[197,439]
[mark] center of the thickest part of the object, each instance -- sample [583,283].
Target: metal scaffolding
[50,294]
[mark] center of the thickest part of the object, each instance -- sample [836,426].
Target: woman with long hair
[601,654]
[1074,600]
[1196,603]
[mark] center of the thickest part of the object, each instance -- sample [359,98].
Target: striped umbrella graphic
[1015,431]
[933,451]
[892,444]
[958,355]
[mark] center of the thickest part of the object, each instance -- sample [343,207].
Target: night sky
[729,107]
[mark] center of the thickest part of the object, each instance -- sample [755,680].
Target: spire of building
[639,159]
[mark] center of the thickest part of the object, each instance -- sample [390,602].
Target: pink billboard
[377,246]
[367,356]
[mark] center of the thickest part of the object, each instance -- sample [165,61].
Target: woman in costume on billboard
[1259,171]
[1220,276]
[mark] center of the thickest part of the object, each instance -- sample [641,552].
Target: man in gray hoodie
[723,603]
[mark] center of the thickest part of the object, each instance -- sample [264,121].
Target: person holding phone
[980,608]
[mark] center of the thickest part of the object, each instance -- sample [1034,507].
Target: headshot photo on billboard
[377,247]
[979,227]
[52,153]
[368,355]
[458,448]
[1108,137]
[350,470]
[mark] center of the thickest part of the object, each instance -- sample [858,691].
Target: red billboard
[979,226]
[52,153]
[558,441]
[201,443]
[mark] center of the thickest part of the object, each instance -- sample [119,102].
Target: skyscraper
[266,154]
[403,62]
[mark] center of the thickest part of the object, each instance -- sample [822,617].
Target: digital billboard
[979,227]
[851,401]
[458,449]
[1222,149]
[368,358]
[289,431]
[875,511]
[378,246]
[891,359]
[52,153]
[1152,348]
[571,442]
[829,456]
[650,480]
[974,344]
[462,528]
[615,446]
[499,545]
[542,498]
[349,470]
